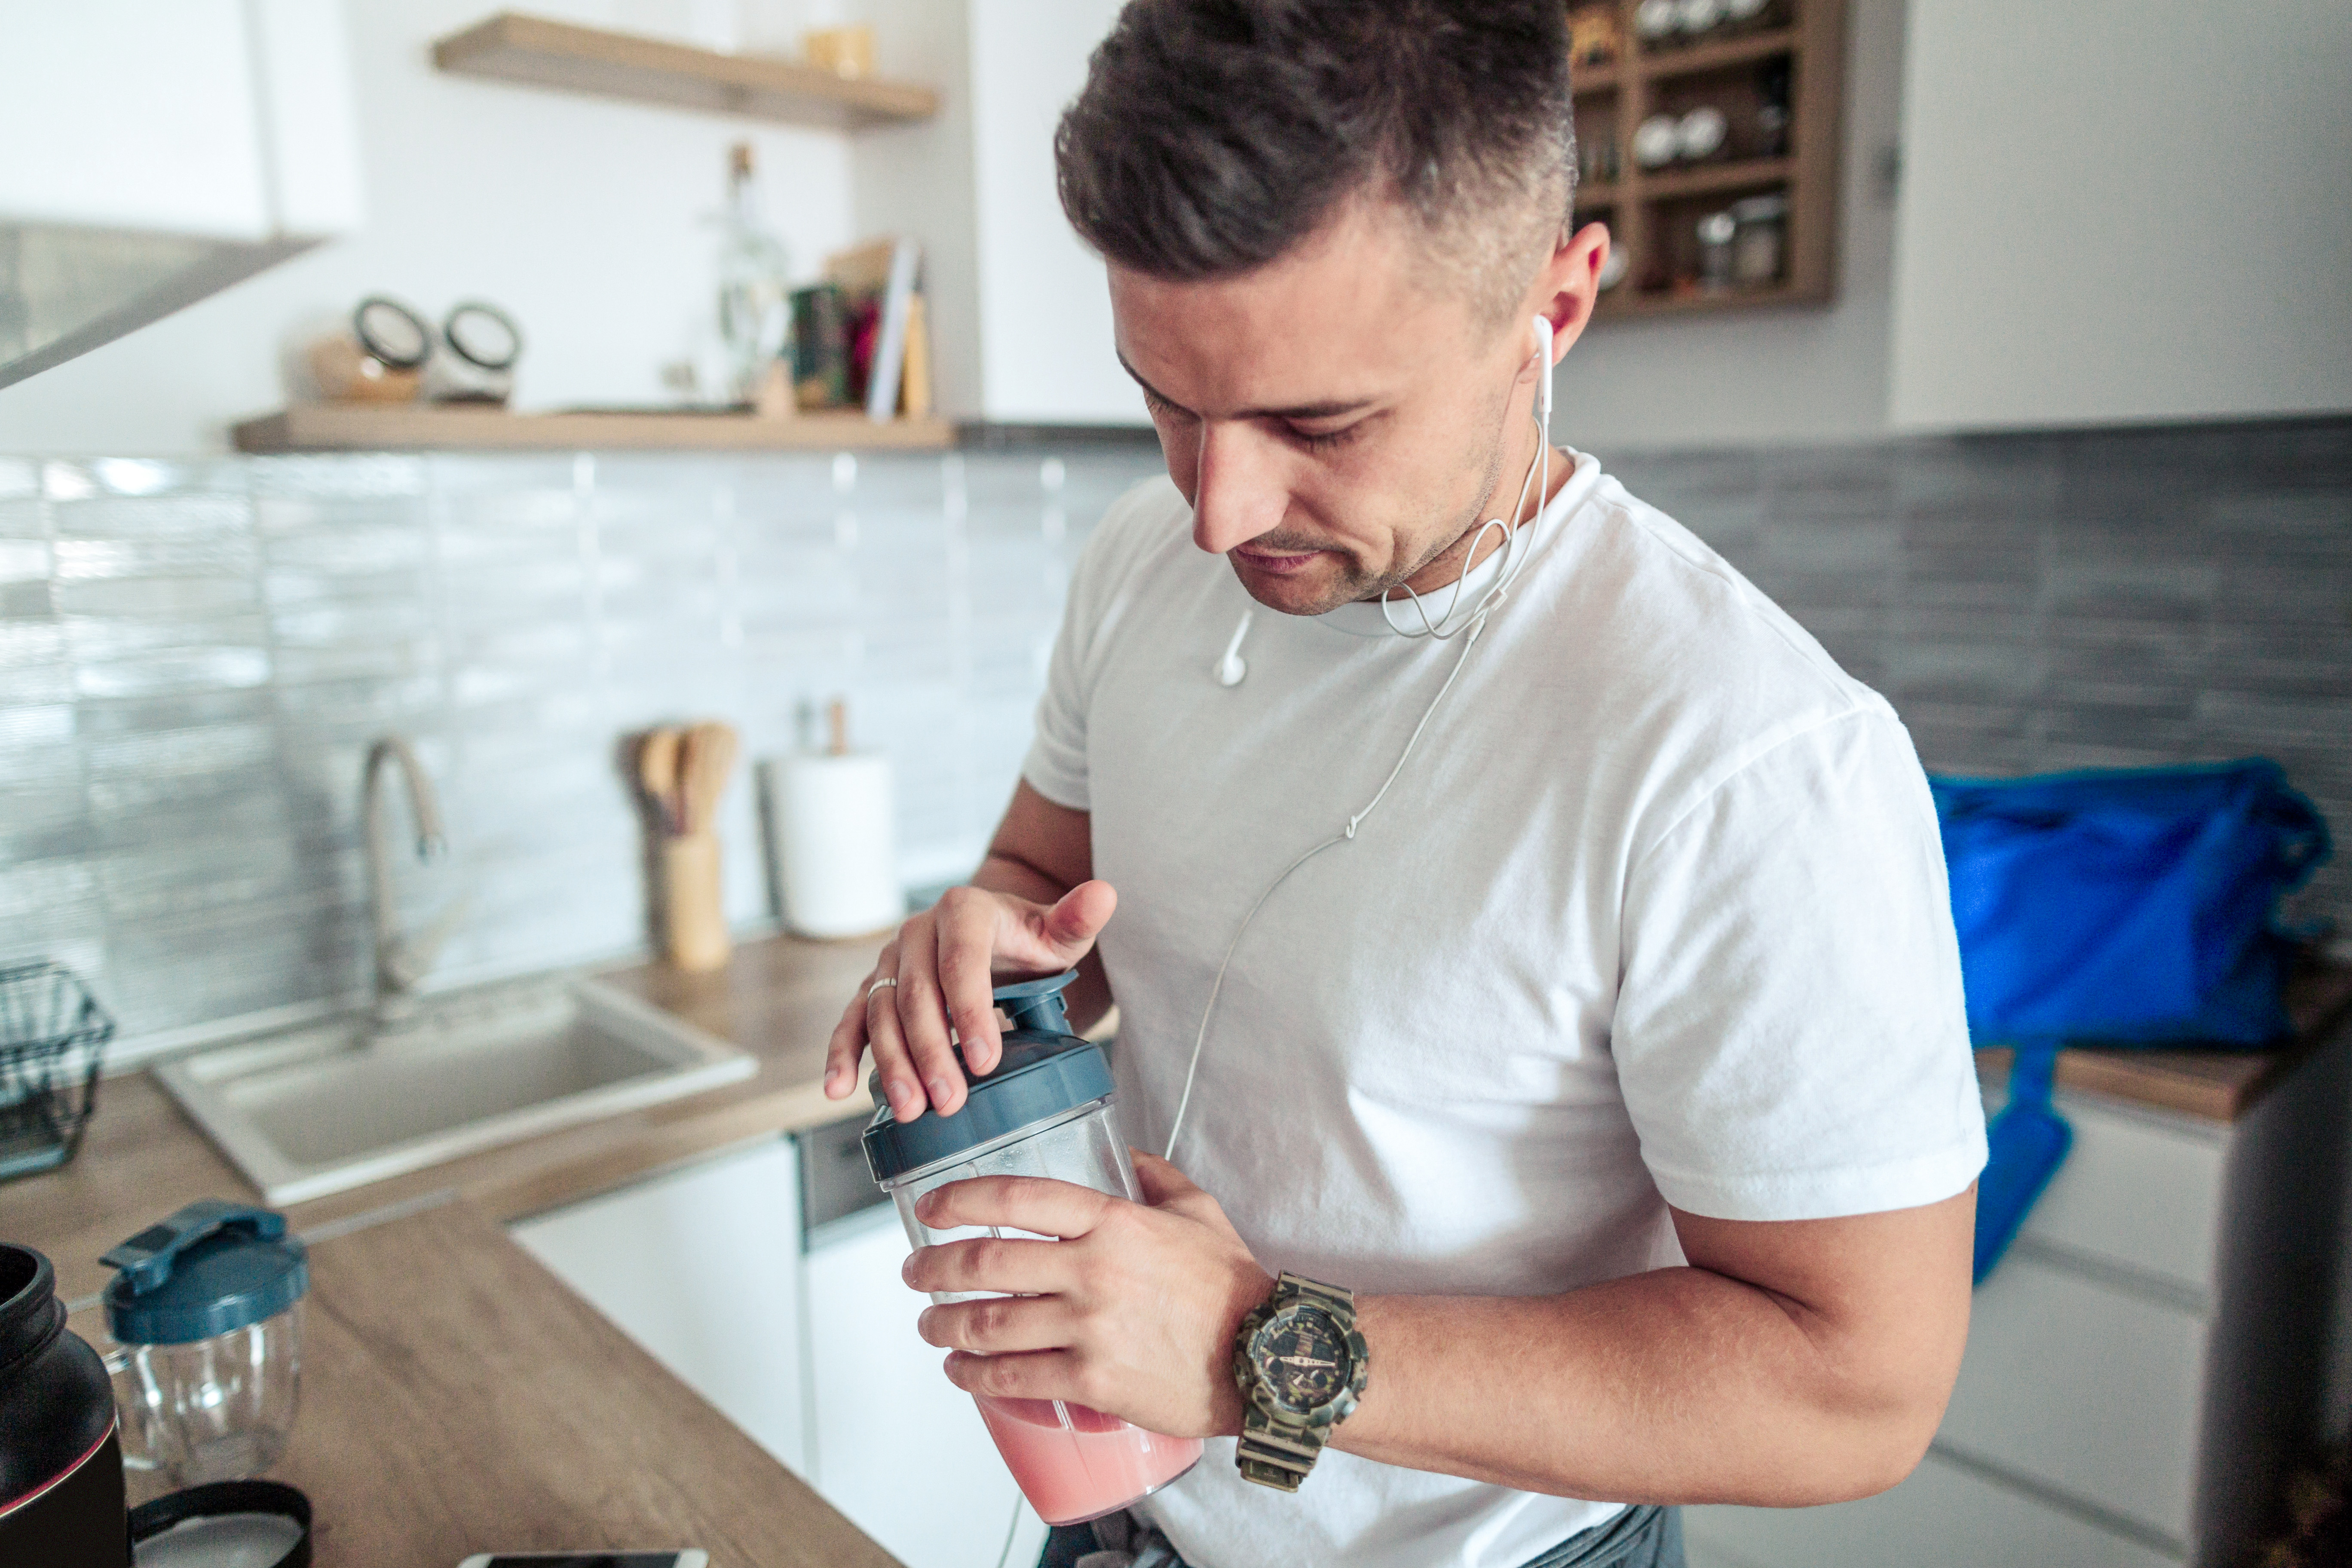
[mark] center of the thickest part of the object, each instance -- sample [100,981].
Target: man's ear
[1569,285]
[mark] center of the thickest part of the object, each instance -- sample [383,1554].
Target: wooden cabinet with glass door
[1707,142]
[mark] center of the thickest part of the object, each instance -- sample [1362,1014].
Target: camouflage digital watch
[1301,1366]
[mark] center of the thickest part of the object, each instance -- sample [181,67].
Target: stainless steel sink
[320,1109]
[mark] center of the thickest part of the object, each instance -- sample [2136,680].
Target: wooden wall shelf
[1660,65]
[512,46]
[423,427]
[1709,179]
[1653,213]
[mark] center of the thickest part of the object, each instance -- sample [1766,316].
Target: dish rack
[53,1035]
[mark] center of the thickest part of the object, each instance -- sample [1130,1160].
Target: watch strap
[1277,1457]
[1276,1450]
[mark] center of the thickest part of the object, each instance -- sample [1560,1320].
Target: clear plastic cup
[218,1409]
[206,1312]
[1046,1111]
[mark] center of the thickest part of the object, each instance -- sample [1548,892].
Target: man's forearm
[1673,1387]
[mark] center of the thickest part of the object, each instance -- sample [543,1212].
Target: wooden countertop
[457,1398]
[2214,1085]
[778,999]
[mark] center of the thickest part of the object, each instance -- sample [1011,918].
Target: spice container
[1759,241]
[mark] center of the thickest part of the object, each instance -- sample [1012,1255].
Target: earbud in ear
[1543,348]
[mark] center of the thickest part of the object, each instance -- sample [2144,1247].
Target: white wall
[1020,310]
[586,219]
[1044,306]
[916,180]
[1790,375]
[2192,163]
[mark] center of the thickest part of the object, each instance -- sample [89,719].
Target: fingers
[922,1019]
[1078,918]
[847,1044]
[1160,1181]
[848,1040]
[966,930]
[944,962]
[1033,1204]
[1166,1187]
[901,1086]
[999,1325]
[988,1265]
[1025,1375]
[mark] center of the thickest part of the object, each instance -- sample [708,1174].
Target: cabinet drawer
[1945,1516]
[2089,1390]
[2138,1193]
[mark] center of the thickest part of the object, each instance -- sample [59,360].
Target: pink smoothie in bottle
[1075,1464]
[1045,1112]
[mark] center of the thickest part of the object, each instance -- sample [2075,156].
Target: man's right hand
[946,961]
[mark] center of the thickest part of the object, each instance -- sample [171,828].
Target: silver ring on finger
[887,983]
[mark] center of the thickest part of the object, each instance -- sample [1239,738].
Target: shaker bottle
[61,1501]
[1046,1111]
[207,1307]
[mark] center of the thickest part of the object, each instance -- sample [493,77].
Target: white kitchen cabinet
[892,1443]
[2141,1367]
[159,150]
[1944,1514]
[701,1267]
[1020,310]
[803,1334]
[2123,210]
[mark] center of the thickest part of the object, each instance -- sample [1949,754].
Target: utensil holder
[694,918]
[53,1035]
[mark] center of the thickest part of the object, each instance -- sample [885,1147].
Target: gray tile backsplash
[194,656]
[2110,598]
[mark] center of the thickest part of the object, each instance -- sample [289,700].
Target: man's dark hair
[1213,135]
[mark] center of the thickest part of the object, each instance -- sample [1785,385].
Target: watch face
[1303,1356]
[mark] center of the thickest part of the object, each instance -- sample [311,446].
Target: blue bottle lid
[1044,1071]
[210,1269]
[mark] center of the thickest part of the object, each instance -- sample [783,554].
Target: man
[1605,1065]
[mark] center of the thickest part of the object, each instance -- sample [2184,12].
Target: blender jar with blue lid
[1046,1111]
[206,1309]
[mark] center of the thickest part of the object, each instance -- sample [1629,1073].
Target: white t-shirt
[1655,914]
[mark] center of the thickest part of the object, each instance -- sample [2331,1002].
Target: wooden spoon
[707,761]
[658,775]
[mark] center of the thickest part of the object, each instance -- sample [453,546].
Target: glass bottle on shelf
[754,282]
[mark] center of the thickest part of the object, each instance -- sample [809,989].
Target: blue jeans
[1642,1537]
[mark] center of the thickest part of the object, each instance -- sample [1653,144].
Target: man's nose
[1241,489]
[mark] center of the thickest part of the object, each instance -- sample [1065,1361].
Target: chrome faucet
[400,963]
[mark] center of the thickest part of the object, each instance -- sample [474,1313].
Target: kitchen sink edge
[562,1050]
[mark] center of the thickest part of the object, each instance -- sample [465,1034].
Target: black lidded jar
[61,1501]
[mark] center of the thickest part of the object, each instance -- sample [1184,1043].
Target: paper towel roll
[830,844]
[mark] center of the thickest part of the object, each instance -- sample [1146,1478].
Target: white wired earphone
[1230,669]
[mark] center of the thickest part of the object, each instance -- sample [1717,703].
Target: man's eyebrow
[1305,411]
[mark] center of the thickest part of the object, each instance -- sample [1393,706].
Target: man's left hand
[1132,1311]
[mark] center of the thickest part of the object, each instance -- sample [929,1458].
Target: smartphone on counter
[588,1560]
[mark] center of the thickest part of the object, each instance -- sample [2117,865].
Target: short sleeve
[1789,1031]
[1056,766]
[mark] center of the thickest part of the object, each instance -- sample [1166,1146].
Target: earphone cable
[1513,560]
[1513,557]
[1476,624]
[1011,1533]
